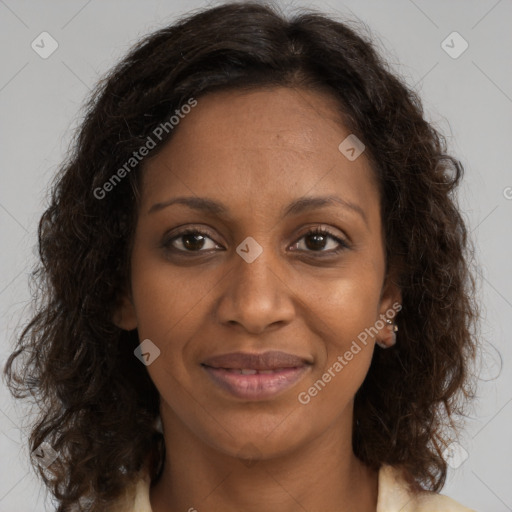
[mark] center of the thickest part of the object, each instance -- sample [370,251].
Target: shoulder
[395,495]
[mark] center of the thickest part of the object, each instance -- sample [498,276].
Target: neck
[323,475]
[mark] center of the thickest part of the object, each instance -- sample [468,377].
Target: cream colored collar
[393,496]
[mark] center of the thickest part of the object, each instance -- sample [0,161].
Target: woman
[252,205]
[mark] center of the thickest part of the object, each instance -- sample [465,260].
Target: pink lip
[271,360]
[281,372]
[258,386]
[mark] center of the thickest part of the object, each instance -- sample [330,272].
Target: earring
[393,334]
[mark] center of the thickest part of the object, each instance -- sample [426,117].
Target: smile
[256,376]
[252,384]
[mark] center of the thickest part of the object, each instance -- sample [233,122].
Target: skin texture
[256,152]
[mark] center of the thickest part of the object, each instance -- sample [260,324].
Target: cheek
[341,312]
[166,298]
[341,306]
[166,311]
[344,350]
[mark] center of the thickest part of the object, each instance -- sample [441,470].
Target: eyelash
[343,245]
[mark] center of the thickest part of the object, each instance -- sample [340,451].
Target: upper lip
[270,360]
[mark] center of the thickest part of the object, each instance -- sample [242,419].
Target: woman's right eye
[190,240]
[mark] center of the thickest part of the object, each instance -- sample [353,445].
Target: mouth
[256,376]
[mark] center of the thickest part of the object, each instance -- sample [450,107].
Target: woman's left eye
[316,240]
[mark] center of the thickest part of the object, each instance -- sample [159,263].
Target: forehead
[265,146]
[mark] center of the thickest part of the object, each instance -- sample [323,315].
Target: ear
[124,315]
[390,305]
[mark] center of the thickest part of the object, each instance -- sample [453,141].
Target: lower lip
[259,386]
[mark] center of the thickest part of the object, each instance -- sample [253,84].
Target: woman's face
[253,279]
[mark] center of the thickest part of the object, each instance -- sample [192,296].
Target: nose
[256,295]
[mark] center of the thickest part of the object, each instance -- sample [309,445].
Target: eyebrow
[302,204]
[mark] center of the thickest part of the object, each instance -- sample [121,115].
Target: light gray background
[468,98]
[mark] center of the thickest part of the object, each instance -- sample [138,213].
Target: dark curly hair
[98,405]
